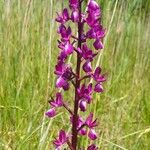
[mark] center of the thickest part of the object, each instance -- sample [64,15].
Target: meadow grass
[28,52]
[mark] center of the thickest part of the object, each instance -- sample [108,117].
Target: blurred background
[28,52]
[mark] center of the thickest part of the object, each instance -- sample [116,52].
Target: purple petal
[68,48]
[75,16]
[59,68]
[62,136]
[66,86]
[59,99]
[93,5]
[87,67]
[57,143]
[51,112]
[98,88]
[60,82]
[83,131]
[89,119]
[92,134]
[97,73]
[73,4]
[82,105]
[65,14]
[98,44]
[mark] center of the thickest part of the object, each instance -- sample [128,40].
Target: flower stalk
[77,84]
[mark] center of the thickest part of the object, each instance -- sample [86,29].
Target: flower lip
[97,75]
[51,112]
[92,134]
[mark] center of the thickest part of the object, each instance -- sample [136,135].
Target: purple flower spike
[98,88]
[61,140]
[51,112]
[92,147]
[87,67]
[92,134]
[80,75]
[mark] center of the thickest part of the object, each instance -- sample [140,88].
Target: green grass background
[28,52]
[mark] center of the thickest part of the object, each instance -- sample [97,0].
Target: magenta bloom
[97,75]
[87,67]
[73,4]
[75,16]
[61,140]
[89,121]
[64,32]
[80,75]
[58,102]
[64,74]
[64,17]
[51,112]
[85,93]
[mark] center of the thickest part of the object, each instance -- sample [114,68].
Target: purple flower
[96,32]
[62,83]
[85,92]
[73,4]
[89,121]
[92,134]
[93,6]
[58,102]
[64,32]
[61,140]
[68,48]
[87,67]
[82,131]
[75,16]
[64,17]
[83,105]
[98,44]
[64,74]
[86,53]
[97,75]
[51,112]
[98,88]
[94,13]
[92,147]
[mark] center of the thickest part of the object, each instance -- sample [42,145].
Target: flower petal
[92,134]
[51,112]
[98,88]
